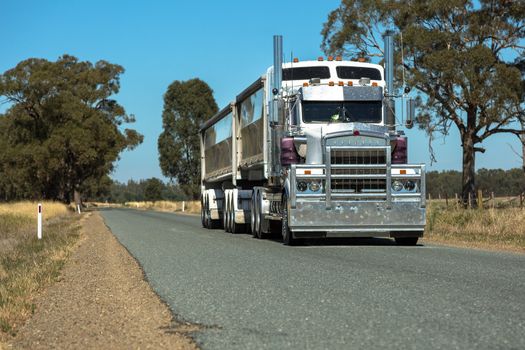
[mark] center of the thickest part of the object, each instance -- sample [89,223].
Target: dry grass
[29,209]
[27,264]
[480,228]
[192,207]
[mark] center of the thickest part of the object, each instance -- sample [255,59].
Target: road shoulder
[102,301]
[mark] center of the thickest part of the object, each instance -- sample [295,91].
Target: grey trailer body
[315,156]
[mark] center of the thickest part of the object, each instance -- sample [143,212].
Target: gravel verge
[102,301]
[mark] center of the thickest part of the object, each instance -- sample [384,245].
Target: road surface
[352,294]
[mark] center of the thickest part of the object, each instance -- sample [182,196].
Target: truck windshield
[342,111]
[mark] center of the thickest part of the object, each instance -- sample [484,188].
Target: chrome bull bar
[324,174]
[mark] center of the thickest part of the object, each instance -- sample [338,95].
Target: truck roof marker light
[374,83]
[361,59]
[330,83]
[308,172]
[330,58]
[350,83]
[341,83]
[320,58]
[338,58]
[403,172]
[356,133]
[295,60]
[305,84]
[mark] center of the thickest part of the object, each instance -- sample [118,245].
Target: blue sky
[228,44]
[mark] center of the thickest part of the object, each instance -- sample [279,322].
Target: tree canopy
[62,129]
[462,57]
[186,105]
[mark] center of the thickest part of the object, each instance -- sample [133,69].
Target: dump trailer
[311,150]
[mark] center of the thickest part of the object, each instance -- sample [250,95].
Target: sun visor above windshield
[342,93]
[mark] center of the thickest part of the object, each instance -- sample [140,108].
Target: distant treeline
[500,182]
[137,191]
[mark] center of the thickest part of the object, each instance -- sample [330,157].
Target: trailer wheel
[407,241]
[285,229]
[253,227]
[207,216]
[259,218]
[235,228]
[203,212]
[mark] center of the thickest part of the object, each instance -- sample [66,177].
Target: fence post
[446,199]
[480,199]
[521,200]
[492,199]
[469,200]
[457,200]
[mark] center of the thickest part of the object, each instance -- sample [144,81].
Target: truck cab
[345,173]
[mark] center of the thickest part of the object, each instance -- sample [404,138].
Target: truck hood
[341,134]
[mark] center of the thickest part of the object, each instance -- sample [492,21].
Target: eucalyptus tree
[186,105]
[62,127]
[461,56]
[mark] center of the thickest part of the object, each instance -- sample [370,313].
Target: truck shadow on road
[341,242]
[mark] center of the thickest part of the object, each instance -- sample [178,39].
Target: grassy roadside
[27,264]
[190,207]
[500,229]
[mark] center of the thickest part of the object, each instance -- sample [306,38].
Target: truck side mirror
[411,112]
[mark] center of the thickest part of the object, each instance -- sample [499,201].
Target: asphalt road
[353,294]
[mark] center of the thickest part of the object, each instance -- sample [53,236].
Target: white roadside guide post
[183,205]
[39,225]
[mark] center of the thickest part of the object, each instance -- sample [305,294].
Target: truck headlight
[314,186]
[397,185]
[302,186]
[410,185]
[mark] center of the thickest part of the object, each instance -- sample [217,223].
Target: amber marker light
[403,172]
[341,83]
[361,59]
[338,58]
[308,172]
[320,58]
[295,60]
[374,84]
[330,58]
[330,83]
[305,84]
[350,83]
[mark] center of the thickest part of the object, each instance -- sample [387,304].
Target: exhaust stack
[388,38]
[275,115]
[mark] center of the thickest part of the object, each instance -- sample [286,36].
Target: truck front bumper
[357,219]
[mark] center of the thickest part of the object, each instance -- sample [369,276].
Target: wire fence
[480,201]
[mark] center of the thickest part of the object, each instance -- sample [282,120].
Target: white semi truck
[311,150]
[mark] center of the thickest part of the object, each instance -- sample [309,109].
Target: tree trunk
[469,172]
[523,151]
[77,197]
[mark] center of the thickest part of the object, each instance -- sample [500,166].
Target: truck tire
[406,241]
[252,215]
[235,228]
[203,212]
[285,229]
[258,218]
[224,216]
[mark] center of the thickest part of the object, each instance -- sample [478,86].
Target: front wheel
[285,229]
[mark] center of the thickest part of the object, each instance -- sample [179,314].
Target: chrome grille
[376,156]
[358,157]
